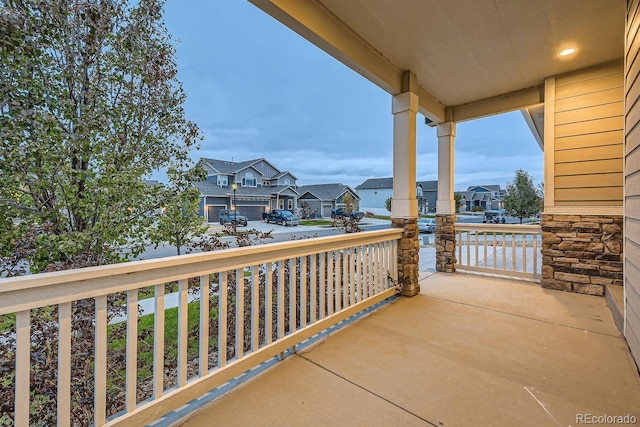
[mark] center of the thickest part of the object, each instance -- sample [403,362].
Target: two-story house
[259,187]
[488,197]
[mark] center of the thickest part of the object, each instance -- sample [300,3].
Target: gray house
[488,197]
[320,199]
[375,191]
[259,187]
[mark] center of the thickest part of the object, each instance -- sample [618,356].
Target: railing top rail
[501,228]
[32,291]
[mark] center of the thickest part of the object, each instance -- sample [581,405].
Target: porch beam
[314,22]
[499,104]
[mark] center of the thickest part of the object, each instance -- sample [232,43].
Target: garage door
[213,213]
[253,213]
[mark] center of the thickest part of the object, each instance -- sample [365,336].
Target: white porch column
[404,203]
[445,203]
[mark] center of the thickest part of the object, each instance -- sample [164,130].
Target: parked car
[496,217]
[280,216]
[233,217]
[426,225]
[340,213]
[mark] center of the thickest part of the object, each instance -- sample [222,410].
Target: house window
[281,204]
[249,180]
[223,180]
[290,204]
[287,181]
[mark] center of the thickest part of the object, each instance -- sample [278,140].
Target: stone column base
[408,254]
[446,243]
[581,253]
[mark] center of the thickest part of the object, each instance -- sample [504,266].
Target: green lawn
[318,222]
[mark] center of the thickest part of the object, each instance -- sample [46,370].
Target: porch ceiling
[479,57]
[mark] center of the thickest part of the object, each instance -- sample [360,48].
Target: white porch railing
[291,291]
[503,249]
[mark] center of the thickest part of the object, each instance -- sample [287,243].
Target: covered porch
[466,350]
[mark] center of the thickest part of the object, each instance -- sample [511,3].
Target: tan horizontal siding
[589,181]
[615,109]
[589,99]
[590,140]
[594,166]
[632,204]
[632,180]
[590,203]
[632,141]
[596,72]
[593,126]
[590,153]
[590,86]
[583,195]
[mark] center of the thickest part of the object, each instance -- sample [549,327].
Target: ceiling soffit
[479,57]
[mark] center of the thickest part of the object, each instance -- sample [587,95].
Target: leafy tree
[387,204]
[179,221]
[349,203]
[522,199]
[90,106]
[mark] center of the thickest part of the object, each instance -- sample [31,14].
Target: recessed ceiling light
[568,52]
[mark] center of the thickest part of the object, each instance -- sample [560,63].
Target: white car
[427,225]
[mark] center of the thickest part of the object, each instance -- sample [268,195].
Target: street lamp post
[234,187]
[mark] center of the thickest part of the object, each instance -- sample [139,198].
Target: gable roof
[428,185]
[212,189]
[376,184]
[281,174]
[229,167]
[327,191]
[486,187]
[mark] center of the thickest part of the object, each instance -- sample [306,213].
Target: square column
[404,205]
[445,204]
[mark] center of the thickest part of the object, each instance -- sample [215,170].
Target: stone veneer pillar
[582,253]
[408,253]
[446,243]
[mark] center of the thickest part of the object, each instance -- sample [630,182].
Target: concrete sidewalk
[467,351]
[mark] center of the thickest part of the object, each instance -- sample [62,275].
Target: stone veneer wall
[581,253]
[408,254]
[445,243]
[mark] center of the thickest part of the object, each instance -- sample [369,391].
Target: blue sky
[257,89]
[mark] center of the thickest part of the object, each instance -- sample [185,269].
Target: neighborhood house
[374,192]
[260,187]
[487,197]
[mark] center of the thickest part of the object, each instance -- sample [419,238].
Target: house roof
[212,189]
[491,187]
[281,174]
[227,167]
[428,185]
[326,191]
[376,184]
[384,183]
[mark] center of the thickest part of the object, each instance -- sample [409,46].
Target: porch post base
[408,254]
[446,243]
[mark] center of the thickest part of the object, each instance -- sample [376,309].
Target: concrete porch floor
[468,350]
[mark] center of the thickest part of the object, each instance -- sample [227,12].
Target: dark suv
[496,217]
[340,213]
[233,217]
